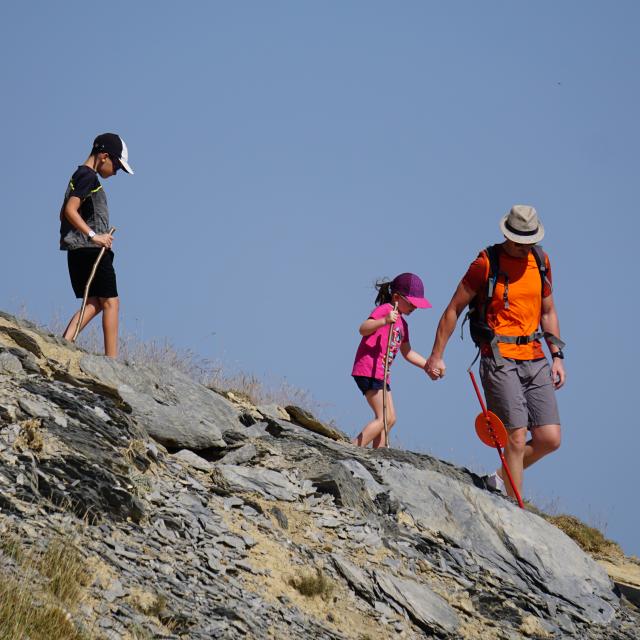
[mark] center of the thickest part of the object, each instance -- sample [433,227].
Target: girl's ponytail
[384,292]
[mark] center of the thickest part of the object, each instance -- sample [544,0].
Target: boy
[84,230]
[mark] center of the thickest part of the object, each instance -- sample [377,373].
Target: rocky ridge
[217,510]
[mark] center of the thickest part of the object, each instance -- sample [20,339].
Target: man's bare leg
[514,456]
[545,439]
[110,310]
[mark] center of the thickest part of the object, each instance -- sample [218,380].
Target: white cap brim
[125,166]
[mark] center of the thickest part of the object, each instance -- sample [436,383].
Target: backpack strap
[541,261]
[493,255]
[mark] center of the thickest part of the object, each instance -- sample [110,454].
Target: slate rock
[346,489]
[358,579]
[241,455]
[193,460]
[303,418]
[176,411]
[424,606]
[264,481]
[10,364]
[517,546]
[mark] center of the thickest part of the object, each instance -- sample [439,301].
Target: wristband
[558,354]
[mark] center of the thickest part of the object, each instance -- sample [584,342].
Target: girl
[396,299]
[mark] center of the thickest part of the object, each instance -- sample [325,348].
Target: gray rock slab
[358,470]
[241,455]
[175,410]
[513,544]
[347,490]
[193,460]
[305,419]
[34,408]
[358,579]
[424,606]
[273,411]
[264,481]
[10,364]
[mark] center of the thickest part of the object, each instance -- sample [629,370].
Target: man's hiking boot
[496,482]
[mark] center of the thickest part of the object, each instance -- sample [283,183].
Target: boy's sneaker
[496,482]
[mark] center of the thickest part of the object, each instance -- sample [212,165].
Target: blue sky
[287,154]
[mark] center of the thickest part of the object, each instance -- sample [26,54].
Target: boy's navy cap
[114,145]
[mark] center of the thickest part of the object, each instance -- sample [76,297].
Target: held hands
[102,240]
[435,367]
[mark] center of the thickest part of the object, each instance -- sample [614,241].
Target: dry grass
[151,604]
[133,349]
[30,436]
[36,602]
[25,613]
[65,568]
[588,538]
[11,545]
[311,584]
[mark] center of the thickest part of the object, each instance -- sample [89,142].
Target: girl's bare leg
[379,441]
[374,430]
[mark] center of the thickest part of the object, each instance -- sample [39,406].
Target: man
[509,288]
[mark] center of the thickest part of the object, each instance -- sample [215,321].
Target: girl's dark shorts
[369,384]
[80,262]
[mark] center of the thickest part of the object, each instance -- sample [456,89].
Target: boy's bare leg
[91,310]
[110,310]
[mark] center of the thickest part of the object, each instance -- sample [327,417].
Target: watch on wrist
[91,234]
[558,354]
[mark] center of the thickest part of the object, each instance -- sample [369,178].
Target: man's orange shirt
[522,317]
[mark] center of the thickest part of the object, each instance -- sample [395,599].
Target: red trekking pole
[492,432]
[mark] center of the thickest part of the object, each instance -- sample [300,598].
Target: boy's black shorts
[80,262]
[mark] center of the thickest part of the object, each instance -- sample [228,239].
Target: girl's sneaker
[496,482]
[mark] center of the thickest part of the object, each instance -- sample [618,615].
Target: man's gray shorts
[521,392]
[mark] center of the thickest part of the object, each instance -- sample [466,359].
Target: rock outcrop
[220,513]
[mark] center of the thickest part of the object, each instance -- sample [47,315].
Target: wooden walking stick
[384,383]
[92,275]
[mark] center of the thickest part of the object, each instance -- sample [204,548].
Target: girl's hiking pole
[92,275]
[492,432]
[384,383]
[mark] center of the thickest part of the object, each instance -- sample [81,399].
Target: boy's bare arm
[71,212]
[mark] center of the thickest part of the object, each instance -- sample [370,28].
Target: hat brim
[521,239]
[420,303]
[125,166]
